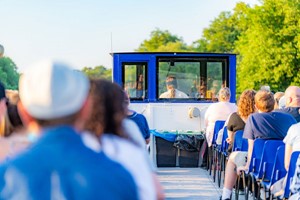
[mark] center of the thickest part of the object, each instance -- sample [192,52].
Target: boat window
[191,78]
[134,79]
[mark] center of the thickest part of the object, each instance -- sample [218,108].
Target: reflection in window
[193,78]
[134,80]
[214,79]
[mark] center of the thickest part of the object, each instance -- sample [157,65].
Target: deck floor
[189,183]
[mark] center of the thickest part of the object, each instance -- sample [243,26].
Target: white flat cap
[50,90]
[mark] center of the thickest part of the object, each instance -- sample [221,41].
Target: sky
[83,33]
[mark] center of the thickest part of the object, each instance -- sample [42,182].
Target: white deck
[189,183]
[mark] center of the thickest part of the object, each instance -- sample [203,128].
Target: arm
[250,150]
[229,139]
[287,156]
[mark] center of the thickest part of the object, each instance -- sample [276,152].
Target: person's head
[281,103]
[224,94]
[266,88]
[53,93]
[171,82]
[109,108]
[292,96]
[277,97]
[12,118]
[264,101]
[246,103]
[1,51]
[12,96]
[13,122]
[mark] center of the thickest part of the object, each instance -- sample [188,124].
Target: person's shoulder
[281,114]
[133,132]
[234,115]
[122,143]
[164,95]
[296,127]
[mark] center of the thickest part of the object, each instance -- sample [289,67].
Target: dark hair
[109,108]
[13,116]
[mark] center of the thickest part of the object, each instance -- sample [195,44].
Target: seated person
[218,111]
[266,125]
[172,92]
[237,120]
[277,97]
[139,119]
[292,143]
[292,102]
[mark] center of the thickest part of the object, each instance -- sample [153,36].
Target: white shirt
[178,94]
[217,111]
[134,133]
[130,156]
[293,137]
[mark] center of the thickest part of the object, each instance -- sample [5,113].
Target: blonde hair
[224,94]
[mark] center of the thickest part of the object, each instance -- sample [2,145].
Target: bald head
[292,96]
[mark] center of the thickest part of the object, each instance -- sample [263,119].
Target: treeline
[265,37]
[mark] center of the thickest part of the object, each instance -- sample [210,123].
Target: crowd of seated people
[89,117]
[266,123]
[236,121]
[79,137]
[218,111]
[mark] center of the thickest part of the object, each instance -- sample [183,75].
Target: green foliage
[269,48]
[98,72]
[162,41]
[221,35]
[266,39]
[9,75]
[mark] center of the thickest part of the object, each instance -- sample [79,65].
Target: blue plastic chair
[278,170]
[212,150]
[266,163]
[239,143]
[223,155]
[291,173]
[254,165]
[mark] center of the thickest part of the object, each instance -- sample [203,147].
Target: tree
[269,48]
[221,35]
[98,72]
[9,75]
[162,41]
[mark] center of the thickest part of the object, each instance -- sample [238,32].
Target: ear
[288,101]
[24,115]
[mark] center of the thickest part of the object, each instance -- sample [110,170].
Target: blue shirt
[60,166]
[142,123]
[294,111]
[271,125]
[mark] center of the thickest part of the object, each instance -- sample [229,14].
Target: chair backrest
[278,168]
[291,172]
[224,146]
[268,159]
[240,143]
[218,126]
[256,155]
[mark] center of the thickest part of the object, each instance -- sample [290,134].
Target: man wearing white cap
[60,165]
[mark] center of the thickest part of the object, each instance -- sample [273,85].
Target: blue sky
[84,32]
